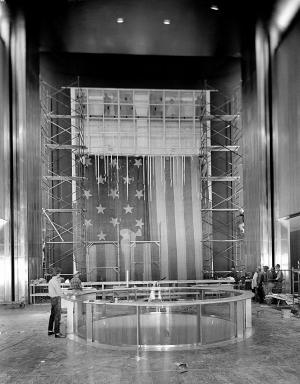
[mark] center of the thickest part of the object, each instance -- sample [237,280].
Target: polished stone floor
[29,355]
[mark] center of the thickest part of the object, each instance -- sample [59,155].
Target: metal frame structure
[145,122]
[134,262]
[115,268]
[221,169]
[132,122]
[63,178]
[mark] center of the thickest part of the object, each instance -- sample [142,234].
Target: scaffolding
[221,182]
[82,122]
[63,154]
[145,122]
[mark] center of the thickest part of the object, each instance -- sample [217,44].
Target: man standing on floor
[278,279]
[55,293]
[260,286]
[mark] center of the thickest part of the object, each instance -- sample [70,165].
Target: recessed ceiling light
[214,7]
[120,20]
[167,21]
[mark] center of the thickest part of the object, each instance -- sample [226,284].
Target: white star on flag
[88,223]
[127,180]
[138,232]
[128,209]
[101,236]
[85,160]
[114,163]
[138,162]
[114,193]
[139,194]
[87,194]
[114,221]
[139,223]
[100,209]
[100,180]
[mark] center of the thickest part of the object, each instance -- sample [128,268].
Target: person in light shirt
[55,293]
[254,283]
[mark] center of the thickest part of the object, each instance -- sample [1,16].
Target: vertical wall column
[256,140]
[19,155]
[5,228]
[32,150]
[285,58]
[264,123]
[20,160]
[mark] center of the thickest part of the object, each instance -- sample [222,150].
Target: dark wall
[33,145]
[137,71]
[286,138]
[256,140]
[295,248]
[6,265]
[286,94]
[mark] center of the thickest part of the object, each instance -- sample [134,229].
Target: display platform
[161,318]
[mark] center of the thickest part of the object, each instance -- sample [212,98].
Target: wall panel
[256,161]
[286,140]
[286,93]
[5,226]
[33,154]
[19,153]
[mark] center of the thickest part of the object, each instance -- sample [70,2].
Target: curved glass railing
[160,318]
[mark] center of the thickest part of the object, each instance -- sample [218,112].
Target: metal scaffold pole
[63,178]
[221,181]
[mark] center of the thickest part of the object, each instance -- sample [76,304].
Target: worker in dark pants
[260,286]
[55,293]
[278,279]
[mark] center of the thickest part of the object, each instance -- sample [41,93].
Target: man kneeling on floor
[55,293]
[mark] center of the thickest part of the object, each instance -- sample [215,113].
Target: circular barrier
[161,318]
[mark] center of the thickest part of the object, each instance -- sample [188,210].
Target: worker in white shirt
[254,284]
[55,293]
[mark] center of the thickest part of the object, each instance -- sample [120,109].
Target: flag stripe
[188,215]
[161,218]
[91,264]
[101,259]
[153,226]
[147,262]
[170,215]
[180,227]
[110,254]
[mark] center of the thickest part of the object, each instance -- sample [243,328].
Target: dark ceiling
[82,38]
[89,26]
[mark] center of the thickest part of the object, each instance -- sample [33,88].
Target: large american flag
[149,207]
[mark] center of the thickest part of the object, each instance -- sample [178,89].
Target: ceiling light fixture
[167,21]
[120,20]
[214,7]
